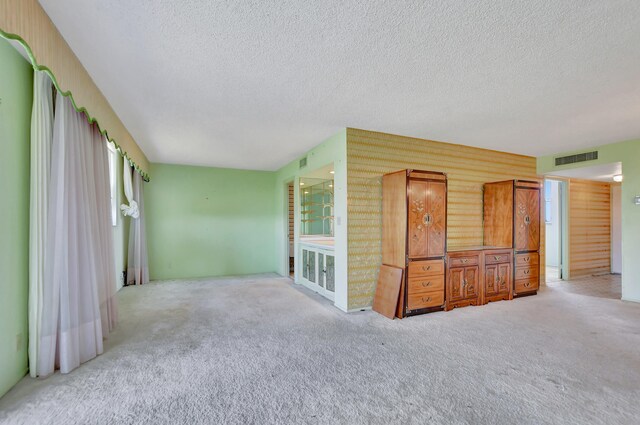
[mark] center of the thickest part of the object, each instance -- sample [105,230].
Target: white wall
[552,234]
[616,229]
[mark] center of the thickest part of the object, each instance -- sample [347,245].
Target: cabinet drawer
[425,284]
[528,259]
[526,272]
[425,300]
[497,258]
[464,261]
[526,285]
[426,268]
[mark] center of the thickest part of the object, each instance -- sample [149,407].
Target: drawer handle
[426,268]
[464,283]
[496,257]
[425,284]
[526,285]
[527,271]
[526,259]
[426,300]
[464,260]
[427,219]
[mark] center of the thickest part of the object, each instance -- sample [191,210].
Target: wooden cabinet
[498,272]
[512,219]
[463,279]
[318,269]
[414,215]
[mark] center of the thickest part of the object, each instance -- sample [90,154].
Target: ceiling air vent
[303,162]
[580,157]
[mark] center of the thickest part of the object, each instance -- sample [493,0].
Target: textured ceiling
[254,84]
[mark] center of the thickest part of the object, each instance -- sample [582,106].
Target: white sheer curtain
[132,208]
[78,308]
[41,135]
[137,266]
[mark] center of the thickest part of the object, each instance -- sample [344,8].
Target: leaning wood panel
[371,155]
[394,219]
[589,228]
[27,19]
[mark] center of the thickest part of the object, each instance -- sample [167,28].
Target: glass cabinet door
[305,264]
[330,274]
[321,269]
[312,267]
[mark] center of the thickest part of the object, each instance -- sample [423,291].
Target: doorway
[554,229]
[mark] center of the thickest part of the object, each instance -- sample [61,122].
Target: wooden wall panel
[291,216]
[372,154]
[589,228]
[27,20]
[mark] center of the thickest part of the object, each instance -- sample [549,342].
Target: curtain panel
[78,303]
[41,138]
[138,264]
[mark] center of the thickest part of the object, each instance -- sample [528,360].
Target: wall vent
[580,157]
[303,162]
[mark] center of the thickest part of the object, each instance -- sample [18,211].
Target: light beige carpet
[257,350]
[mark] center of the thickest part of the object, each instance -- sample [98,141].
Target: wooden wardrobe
[414,234]
[512,219]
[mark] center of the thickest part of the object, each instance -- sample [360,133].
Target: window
[113,181]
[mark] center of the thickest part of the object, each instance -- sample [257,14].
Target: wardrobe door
[436,220]
[527,219]
[418,218]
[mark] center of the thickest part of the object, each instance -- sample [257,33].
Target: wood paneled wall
[589,228]
[27,19]
[291,215]
[372,154]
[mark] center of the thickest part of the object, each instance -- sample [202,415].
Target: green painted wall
[209,221]
[628,153]
[16,85]
[331,151]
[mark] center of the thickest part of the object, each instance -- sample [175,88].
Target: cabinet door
[527,220]
[330,274]
[491,279]
[305,264]
[312,267]
[436,208]
[417,231]
[321,270]
[504,278]
[455,284]
[470,283]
